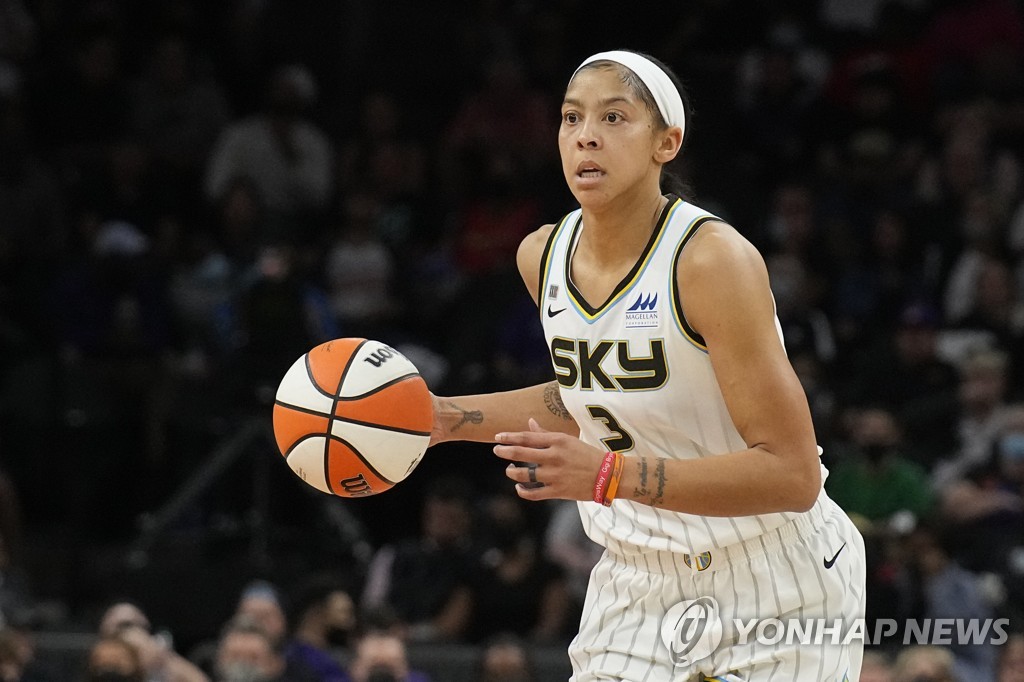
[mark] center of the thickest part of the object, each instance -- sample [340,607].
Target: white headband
[664,91]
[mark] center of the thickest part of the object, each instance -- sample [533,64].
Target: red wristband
[604,475]
[613,483]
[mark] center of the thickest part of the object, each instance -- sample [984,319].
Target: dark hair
[313,593]
[670,180]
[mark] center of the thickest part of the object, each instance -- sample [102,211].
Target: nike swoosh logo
[552,313]
[830,562]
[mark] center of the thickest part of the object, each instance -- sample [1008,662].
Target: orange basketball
[353,417]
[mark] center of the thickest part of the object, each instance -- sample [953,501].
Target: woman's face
[606,138]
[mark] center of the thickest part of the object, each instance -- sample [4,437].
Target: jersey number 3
[620,440]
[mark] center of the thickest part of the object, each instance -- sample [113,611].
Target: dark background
[872,151]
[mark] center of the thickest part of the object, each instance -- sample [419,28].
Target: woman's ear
[670,141]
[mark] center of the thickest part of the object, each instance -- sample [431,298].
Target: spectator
[380,125]
[876,480]
[159,661]
[177,111]
[1011,660]
[777,81]
[998,313]
[986,507]
[278,314]
[260,602]
[505,659]
[260,607]
[982,398]
[325,623]
[905,373]
[947,590]
[425,581]
[18,661]
[876,667]
[245,652]
[506,114]
[567,546]
[518,590]
[360,271]
[926,664]
[806,327]
[111,659]
[280,150]
[382,657]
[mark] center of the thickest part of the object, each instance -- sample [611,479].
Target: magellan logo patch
[643,313]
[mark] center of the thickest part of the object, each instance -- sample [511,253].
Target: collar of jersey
[591,313]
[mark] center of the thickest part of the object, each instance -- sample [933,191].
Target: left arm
[728,301]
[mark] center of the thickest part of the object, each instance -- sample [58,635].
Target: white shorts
[801,584]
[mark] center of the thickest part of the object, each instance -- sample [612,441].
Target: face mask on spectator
[112,676]
[242,672]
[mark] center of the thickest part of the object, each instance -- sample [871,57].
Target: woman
[675,419]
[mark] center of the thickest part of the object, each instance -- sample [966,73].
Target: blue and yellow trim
[677,307]
[545,263]
[591,314]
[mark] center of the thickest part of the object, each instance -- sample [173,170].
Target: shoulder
[717,247]
[529,255]
[723,281]
[534,243]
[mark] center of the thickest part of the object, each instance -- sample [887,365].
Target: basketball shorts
[786,605]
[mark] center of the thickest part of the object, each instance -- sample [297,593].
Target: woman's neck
[620,231]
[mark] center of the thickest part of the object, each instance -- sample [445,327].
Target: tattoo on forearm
[468,417]
[641,490]
[553,400]
[659,472]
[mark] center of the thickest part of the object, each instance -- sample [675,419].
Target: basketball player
[675,420]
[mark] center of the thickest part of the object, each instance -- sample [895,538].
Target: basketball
[352,417]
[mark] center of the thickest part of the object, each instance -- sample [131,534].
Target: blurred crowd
[193,194]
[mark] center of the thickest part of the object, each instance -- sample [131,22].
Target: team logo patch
[703,560]
[643,313]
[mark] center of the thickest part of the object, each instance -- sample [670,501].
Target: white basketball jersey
[638,380]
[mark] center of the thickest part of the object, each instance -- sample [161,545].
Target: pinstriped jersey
[637,379]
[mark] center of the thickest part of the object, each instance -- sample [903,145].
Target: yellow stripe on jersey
[549,248]
[661,228]
[676,305]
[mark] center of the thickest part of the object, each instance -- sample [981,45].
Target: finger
[517,473]
[534,494]
[518,453]
[535,427]
[521,475]
[534,439]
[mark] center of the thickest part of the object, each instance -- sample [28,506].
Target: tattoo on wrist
[553,400]
[468,417]
[659,473]
[641,491]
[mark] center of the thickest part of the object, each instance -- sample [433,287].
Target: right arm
[480,417]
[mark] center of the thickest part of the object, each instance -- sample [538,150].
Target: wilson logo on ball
[380,357]
[356,486]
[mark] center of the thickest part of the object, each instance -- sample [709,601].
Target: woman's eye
[570,117]
[612,117]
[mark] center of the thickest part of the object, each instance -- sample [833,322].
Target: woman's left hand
[565,465]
